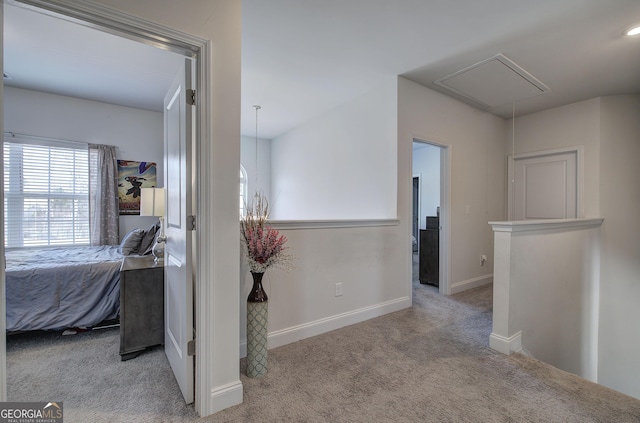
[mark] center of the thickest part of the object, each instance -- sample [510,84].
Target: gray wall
[476,145]
[619,344]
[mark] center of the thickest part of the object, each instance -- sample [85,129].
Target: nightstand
[141,305]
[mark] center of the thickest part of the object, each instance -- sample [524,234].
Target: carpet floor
[85,373]
[428,363]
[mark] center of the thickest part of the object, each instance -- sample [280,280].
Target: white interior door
[546,186]
[178,266]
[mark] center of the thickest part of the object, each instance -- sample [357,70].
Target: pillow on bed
[131,242]
[146,244]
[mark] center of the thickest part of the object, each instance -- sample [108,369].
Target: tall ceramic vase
[257,319]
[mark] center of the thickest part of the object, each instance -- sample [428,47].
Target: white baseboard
[327,324]
[526,352]
[471,283]
[224,396]
[505,345]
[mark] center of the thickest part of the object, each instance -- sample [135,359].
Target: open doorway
[427,198]
[182,49]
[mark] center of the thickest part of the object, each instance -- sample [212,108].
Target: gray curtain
[103,195]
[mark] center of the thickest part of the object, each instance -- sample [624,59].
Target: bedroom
[440,128]
[136,134]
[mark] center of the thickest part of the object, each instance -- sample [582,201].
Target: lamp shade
[152,202]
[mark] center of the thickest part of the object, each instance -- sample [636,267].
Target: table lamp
[152,204]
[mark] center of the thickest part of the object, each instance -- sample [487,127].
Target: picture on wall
[132,176]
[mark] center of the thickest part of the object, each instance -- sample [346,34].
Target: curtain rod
[40,138]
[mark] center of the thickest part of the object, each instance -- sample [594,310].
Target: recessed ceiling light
[634,31]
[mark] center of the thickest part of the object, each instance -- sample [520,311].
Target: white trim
[508,63]
[226,396]
[540,225]
[419,176]
[327,224]
[508,346]
[306,330]
[471,283]
[417,236]
[205,316]
[445,219]
[103,18]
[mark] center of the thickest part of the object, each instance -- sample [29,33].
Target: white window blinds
[46,186]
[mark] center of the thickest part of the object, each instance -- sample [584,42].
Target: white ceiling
[49,54]
[300,59]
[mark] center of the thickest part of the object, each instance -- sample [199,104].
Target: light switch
[467,209]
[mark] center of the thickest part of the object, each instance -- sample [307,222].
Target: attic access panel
[493,82]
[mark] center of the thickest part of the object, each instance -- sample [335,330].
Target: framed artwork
[132,176]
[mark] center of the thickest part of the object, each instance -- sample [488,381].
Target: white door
[178,266]
[546,186]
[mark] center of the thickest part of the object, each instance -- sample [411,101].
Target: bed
[68,287]
[58,288]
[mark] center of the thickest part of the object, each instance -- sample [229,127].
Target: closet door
[546,186]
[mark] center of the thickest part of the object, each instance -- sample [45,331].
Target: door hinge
[191,347]
[191,97]
[191,223]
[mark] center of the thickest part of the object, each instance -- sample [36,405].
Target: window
[46,186]
[243,190]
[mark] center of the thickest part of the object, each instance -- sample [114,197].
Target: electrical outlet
[483,260]
[338,289]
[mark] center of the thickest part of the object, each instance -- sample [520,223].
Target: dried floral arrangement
[264,246]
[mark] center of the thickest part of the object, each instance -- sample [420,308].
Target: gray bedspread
[58,288]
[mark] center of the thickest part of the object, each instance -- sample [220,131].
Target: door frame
[444,248]
[418,206]
[511,166]
[128,26]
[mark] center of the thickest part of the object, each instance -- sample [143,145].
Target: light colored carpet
[429,363]
[84,371]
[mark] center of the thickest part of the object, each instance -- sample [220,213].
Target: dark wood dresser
[141,305]
[430,252]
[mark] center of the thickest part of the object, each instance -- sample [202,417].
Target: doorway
[118,25]
[429,200]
